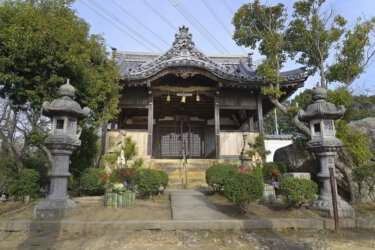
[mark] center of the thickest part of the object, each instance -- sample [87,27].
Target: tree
[355,54]
[312,33]
[257,23]
[42,43]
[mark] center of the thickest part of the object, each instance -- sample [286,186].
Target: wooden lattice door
[174,140]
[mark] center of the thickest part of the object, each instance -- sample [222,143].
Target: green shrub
[218,174]
[84,156]
[243,188]
[163,178]
[91,183]
[257,172]
[281,167]
[298,191]
[38,161]
[148,181]
[26,182]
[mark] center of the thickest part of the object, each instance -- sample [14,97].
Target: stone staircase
[189,175]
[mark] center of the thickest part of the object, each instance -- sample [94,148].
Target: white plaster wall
[138,136]
[231,143]
[274,144]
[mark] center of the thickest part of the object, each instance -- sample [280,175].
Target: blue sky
[158,28]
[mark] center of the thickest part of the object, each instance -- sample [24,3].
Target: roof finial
[67,89]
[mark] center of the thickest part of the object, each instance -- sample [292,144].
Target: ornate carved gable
[182,53]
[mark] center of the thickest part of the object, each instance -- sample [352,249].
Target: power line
[125,25]
[200,27]
[189,17]
[119,28]
[156,12]
[228,7]
[220,22]
[139,22]
[216,17]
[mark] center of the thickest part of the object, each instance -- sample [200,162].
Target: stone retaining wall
[107,226]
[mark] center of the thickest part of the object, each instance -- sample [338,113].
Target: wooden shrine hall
[184,103]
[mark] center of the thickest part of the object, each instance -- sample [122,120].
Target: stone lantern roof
[65,105]
[320,108]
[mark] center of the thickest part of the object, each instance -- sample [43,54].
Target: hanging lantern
[198,97]
[183,99]
[168,98]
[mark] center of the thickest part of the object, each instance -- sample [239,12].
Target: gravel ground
[200,239]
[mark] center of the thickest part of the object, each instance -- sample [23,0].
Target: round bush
[217,175]
[91,183]
[163,178]
[243,188]
[148,181]
[298,191]
[26,182]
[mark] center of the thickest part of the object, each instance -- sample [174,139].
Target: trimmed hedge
[150,180]
[243,188]
[91,183]
[297,191]
[217,175]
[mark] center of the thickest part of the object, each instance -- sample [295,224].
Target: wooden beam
[236,121]
[260,114]
[150,125]
[217,126]
[140,106]
[238,107]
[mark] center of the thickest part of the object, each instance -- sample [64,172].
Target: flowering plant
[244,170]
[275,172]
[273,183]
[117,188]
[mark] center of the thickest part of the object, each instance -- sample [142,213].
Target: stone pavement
[189,204]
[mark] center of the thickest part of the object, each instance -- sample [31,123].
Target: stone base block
[325,208]
[297,175]
[53,208]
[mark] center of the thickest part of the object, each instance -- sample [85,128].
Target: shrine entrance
[185,140]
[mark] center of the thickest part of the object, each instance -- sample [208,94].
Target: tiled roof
[183,53]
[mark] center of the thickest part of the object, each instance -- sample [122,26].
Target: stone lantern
[321,116]
[64,139]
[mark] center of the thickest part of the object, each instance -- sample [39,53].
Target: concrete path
[193,205]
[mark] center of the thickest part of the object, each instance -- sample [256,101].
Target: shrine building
[185,104]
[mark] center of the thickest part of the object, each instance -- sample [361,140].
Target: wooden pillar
[217,126]
[251,123]
[260,114]
[150,123]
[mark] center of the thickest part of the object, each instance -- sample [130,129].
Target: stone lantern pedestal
[324,201]
[61,144]
[324,145]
